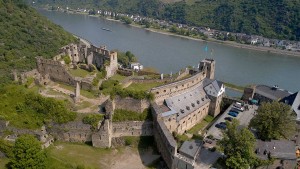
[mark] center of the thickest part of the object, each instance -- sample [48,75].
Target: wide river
[170,53]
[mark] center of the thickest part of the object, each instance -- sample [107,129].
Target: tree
[274,121]
[28,153]
[67,59]
[238,146]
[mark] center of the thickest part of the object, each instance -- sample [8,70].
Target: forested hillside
[270,18]
[24,34]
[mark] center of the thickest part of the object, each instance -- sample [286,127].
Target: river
[169,53]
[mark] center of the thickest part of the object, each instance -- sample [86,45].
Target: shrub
[127,115]
[67,59]
[92,119]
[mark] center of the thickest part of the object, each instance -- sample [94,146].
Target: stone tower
[208,65]
[248,93]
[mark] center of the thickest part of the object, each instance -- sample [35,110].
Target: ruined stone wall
[55,70]
[131,104]
[112,68]
[125,72]
[71,132]
[103,137]
[169,90]
[132,128]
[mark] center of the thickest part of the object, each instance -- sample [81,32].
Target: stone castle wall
[103,137]
[56,71]
[71,132]
[131,104]
[164,140]
[132,128]
[169,90]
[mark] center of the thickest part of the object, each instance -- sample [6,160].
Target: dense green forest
[271,18]
[24,34]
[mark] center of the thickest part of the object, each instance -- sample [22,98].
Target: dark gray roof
[294,101]
[187,102]
[296,105]
[279,149]
[190,149]
[271,92]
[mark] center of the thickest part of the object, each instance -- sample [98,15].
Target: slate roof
[190,149]
[187,102]
[294,101]
[279,149]
[271,92]
[296,105]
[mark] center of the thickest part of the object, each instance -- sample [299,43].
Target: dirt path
[66,95]
[132,159]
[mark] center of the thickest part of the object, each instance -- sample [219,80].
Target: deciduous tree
[238,146]
[274,121]
[28,153]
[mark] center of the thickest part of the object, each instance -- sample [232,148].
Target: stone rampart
[175,88]
[132,128]
[56,71]
[71,131]
[131,104]
[103,137]
[165,142]
[125,72]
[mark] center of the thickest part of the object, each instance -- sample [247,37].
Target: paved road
[243,117]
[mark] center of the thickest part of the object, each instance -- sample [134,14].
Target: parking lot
[244,118]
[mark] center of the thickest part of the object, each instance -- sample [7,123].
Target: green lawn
[201,125]
[126,115]
[233,86]
[79,72]
[117,77]
[70,155]
[83,105]
[3,162]
[144,86]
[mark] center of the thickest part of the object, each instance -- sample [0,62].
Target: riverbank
[228,43]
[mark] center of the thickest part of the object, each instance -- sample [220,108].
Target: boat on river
[106,29]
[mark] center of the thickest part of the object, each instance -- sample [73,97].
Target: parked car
[234,111]
[228,118]
[221,126]
[223,123]
[238,108]
[233,114]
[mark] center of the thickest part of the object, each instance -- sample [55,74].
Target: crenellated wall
[169,90]
[132,128]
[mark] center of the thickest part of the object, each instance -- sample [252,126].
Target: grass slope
[24,34]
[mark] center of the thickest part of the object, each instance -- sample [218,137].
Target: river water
[170,53]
